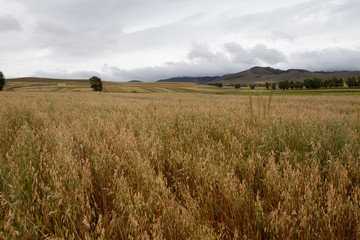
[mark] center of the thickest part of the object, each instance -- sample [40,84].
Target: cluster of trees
[252,86]
[2,81]
[334,82]
[313,83]
[216,84]
[284,85]
[352,82]
[270,85]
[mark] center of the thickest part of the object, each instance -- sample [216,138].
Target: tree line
[309,83]
[316,83]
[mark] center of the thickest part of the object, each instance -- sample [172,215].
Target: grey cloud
[201,52]
[328,59]
[239,54]
[258,54]
[309,18]
[9,23]
[280,36]
[67,75]
[168,70]
[268,55]
[203,61]
[52,27]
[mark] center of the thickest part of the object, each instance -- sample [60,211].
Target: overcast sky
[121,40]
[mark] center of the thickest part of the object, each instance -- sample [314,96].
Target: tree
[351,82]
[292,84]
[252,86]
[96,83]
[2,81]
[238,86]
[273,86]
[340,83]
[299,85]
[267,85]
[284,84]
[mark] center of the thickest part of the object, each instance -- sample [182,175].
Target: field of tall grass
[179,166]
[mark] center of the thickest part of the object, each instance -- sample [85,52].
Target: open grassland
[179,166]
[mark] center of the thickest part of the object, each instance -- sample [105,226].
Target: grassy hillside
[178,166]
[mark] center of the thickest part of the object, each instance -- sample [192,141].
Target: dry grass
[179,166]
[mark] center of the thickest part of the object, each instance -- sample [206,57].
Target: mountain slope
[267,74]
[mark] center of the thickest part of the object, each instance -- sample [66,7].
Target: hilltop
[200,80]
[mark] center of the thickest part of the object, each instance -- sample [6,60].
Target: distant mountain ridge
[266,74]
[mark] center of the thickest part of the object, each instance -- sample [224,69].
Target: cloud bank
[150,40]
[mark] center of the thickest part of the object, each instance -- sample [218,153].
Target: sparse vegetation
[179,166]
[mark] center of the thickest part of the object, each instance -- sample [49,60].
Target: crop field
[58,85]
[167,164]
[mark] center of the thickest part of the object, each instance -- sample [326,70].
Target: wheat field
[179,166]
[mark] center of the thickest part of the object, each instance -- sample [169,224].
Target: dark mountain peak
[265,71]
[297,70]
[200,80]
